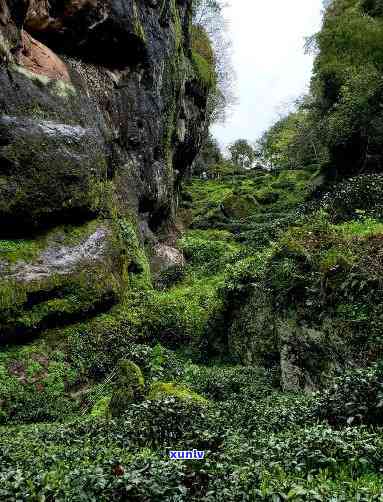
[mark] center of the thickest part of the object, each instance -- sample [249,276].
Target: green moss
[160,390]
[137,25]
[18,249]
[334,259]
[128,388]
[5,49]
[14,250]
[39,79]
[367,227]
[205,72]
[30,153]
[253,337]
[267,197]
[138,267]
[63,89]
[102,408]
[176,72]
[60,88]
[203,57]
[240,206]
[60,298]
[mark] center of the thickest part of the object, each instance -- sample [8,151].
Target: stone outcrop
[40,60]
[101,114]
[305,358]
[165,257]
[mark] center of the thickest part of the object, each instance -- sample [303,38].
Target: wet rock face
[124,72]
[101,113]
[48,170]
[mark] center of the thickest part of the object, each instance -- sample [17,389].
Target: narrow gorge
[179,323]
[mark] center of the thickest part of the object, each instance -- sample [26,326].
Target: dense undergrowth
[264,350]
[288,285]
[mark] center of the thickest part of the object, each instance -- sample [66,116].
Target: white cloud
[268,56]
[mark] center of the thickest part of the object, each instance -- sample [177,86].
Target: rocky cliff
[102,111]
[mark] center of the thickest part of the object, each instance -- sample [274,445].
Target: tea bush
[354,398]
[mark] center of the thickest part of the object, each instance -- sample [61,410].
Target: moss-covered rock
[203,57]
[50,171]
[128,388]
[160,390]
[69,273]
[253,337]
[308,357]
[268,197]
[102,408]
[239,205]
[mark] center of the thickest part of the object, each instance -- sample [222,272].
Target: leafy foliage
[208,18]
[294,141]
[355,398]
[242,154]
[346,84]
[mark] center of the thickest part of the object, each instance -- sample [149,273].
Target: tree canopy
[242,154]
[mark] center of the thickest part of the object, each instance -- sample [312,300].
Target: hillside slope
[300,421]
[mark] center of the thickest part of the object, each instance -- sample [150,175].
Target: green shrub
[359,194]
[210,250]
[223,383]
[34,384]
[355,398]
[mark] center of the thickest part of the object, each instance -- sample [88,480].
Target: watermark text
[181,455]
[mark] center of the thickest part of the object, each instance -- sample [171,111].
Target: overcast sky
[268,57]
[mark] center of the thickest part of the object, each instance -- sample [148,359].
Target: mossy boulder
[266,198]
[102,408]
[160,390]
[239,206]
[69,273]
[253,337]
[308,356]
[128,388]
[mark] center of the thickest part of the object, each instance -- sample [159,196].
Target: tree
[295,140]
[347,85]
[206,13]
[208,17]
[242,154]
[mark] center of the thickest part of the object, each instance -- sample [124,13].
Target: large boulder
[70,273]
[48,171]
